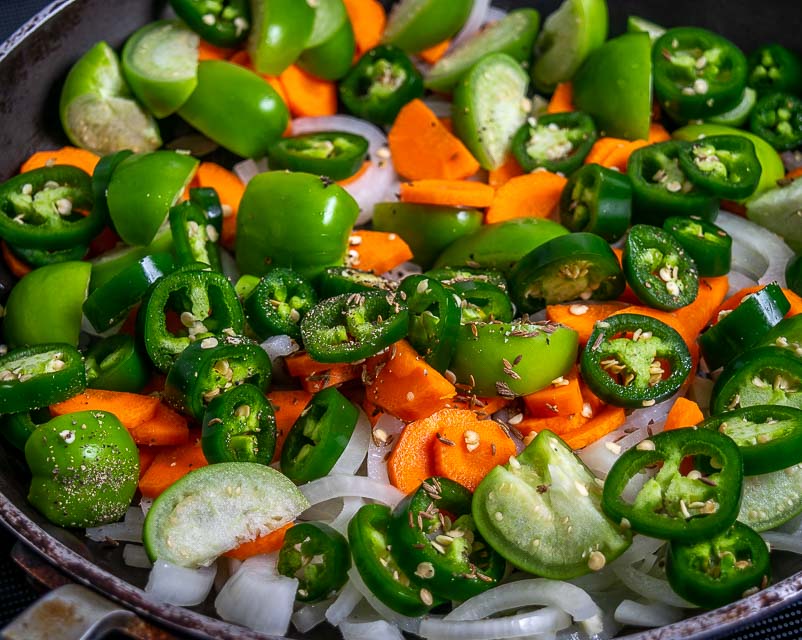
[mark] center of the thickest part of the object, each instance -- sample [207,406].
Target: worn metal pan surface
[33,64]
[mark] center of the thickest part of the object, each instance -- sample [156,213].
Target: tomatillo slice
[97,109]
[575,266]
[415,25]
[771,499]
[489,107]
[160,63]
[512,359]
[542,512]
[279,33]
[214,509]
[332,58]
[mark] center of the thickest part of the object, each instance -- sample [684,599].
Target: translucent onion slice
[310,615]
[654,614]
[179,585]
[246,170]
[129,530]
[650,587]
[279,347]
[369,631]
[134,555]
[356,486]
[354,453]
[476,18]
[342,607]
[350,507]
[412,625]
[783,541]
[229,266]
[385,433]
[545,620]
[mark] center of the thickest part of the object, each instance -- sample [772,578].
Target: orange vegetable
[604,422]
[506,172]
[308,95]
[696,315]
[287,406]
[684,413]
[407,386]
[411,460]
[794,174]
[562,397]
[316,376]
[165,428]
[267,543]
[368,20]
[146,457]
[131,409]
[434,53]
[230,190]
[667,317]
[483,407]
[360,172]
[658,133]
[377,251]
[618,157]
[582,316]
[555,424]
[603,147]
[422,147]
[171,464]
[74,156]
[594,402]
[208,51]
[453,459]
[562,100]
[18,267]
[451,193]
[533,195]
[371,411]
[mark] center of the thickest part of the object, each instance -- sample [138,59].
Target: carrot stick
[435,52]
[592,403]
[466,449]
[74,156]
[658,133]
[208,51]
[131,409]
[267,543]
[562,397]
[667,317]
[407,387]
[582,317]
[411,460]
[422,147]
[555,424]
[618,157]
[603,147]
[683,413]
[506,172]
[483,407]
[533,195]
[308,95]
[146,457]
[287,407]
[18,267]
[378,251]
[562,100]
[351,179]
[696,315]
[368,20]
[165,428]
[229,189]
[316,376]
[606,421]
[451,193]
[171,464]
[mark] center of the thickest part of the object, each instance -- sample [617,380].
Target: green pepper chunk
[38,376]
[636,24]
[709,246]
[278,303]
[786,334]
[634,361]
[335,281]
[712,573]
[209,367]
[736,331]
[319,436]
[84,468]
[777,118]
[239,426]
[658,268]
[16,428]
[318,557]
[195,239]
[207,199]
[279,33]
[223,23]
[482,301]
[382,81]
[42,257]
[110,263]
[697,73]
[542,512]
[415,25]
[773,68]
[557,142]
[42,209]
[579,265]
[329,58]
[335,154]
[117,364]
[673,506]
[725,166]
[597,200]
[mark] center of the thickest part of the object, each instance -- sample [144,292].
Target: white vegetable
[229,266]
[342,607]
[647,615]
[350,507]
[412,625]
[134,555]
[756,251]
[519,625]
[783,541]
[354,453]
[476,19]
[369,631]
[385,433]
[278,347]
[342,486]
[311,615]
[246,170]
[129,530]
[178,585]
[650,587]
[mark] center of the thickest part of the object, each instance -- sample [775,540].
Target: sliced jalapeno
[725,166]
[116,363]
[335,154]
[709,246]
[556,142]
[777,118]
[597,200]
[278,303]
[194,236]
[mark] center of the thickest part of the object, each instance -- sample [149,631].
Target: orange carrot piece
[594,402]
[490,446]
[287,407]
[555,424]
[368,20]
[562,100]
[230,190]
[316,376]
[618,157]
[74,156]
[372,411]
[435,52]
[308,95]
[208,51]
[17,266]
[562,397]
[171,464]
[506,172]
[658,133]
[360,172]
[606,421]
[667,317]
[411,460]
[603,147]
[422,147]
[378,251]
[267,543]
[131,409]
[483,407]
[794,174]
[796,303]
[407,386]
[582,317]
[683,413]
[698,314]
[146,457]
[165,428]
[450,193]
[533,195]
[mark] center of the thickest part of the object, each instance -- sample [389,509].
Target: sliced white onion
[792,527]
[385,433]
[402,271]
[783,541]
[354,453]
[655,614]
[737,281]
[700,391]
[246,170]
[279,347]
[145,505]
[476,18]
[332,487]
[641,547]
[229,266]
[494,14]
[119,531]
[650,587]
[405,623]
[350,507]
[310,615]
[178,585]
[342,607]
[545,620]
[369,631]
[134,555]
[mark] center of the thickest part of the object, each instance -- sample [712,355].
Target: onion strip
[331,487]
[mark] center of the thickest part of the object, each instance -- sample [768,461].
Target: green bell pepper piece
[280,31]
[106,266]
[332,57]
[415,25]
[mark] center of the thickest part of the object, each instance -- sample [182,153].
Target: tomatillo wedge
[332,57]
[542,512]
[771,499]
[279,33]
[512,359]
[415,25]
[160,63]
[214,509]
[84,468]
[98,111]
[224,89]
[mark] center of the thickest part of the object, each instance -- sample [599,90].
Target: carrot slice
[74,156]
[696,315]
[506,172]
[267,543]
[18,267]
[308,95]
[377,251]
[562,397]
[165,428]
[483,407]
[603,147]
[582,317]
[658,133]
[422,147]
[562,100]
[684,413]
[131,409]
[794,174]
[368,19]
[451,193]
[533,195]
[316,376]
[407,386]
[604,422]
[287,406]
[466,449]
[411,460]
[230,190]
[146,457]
[735,299]
[435,52]
[619,157]
[171,464]
[556,424]
[208,51]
